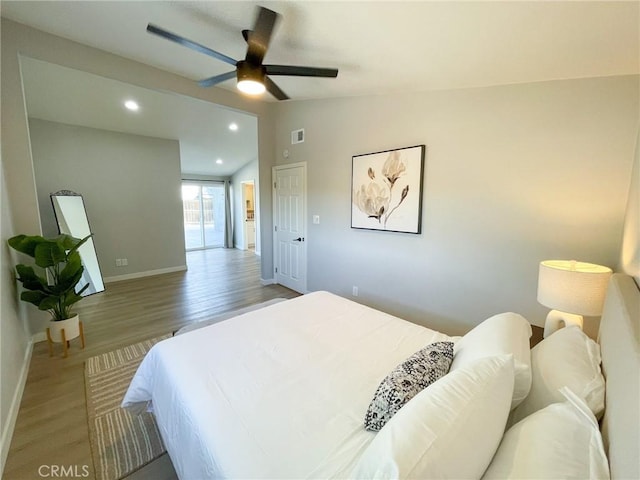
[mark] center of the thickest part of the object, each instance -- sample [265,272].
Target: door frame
[274,217]
[245,240]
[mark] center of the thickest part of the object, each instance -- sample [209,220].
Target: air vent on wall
[297,136]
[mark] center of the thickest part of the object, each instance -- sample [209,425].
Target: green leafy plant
[61,262]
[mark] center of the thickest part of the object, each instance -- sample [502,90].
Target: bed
[261,375]
[281,392]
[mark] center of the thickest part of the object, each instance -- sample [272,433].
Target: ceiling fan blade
[296,71]
[189,44]
[211,81]
[274,90]
[258,38]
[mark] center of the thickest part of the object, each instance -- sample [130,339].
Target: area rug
[121,443]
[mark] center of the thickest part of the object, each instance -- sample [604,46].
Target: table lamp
[571,289]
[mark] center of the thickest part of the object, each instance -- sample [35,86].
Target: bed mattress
[279,392]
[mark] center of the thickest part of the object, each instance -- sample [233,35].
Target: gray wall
[131,190]
[246,174]
[15,346]
[514,175]
[630,252]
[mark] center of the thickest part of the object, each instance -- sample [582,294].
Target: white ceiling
[379,46]
[69,96]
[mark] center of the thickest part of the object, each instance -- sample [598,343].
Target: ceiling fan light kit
[252,76]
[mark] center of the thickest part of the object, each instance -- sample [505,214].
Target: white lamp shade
[573,287]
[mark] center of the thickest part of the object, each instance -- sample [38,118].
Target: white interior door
[290,252]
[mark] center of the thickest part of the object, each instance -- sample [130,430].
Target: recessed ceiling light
[132,105]
[233,127]
[219,161]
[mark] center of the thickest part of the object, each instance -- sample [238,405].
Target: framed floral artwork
[387,190]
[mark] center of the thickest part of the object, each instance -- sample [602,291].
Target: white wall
[514,175]
[248,173]
[131,187]
[15,346]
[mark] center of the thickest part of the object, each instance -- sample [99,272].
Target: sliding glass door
[204,219]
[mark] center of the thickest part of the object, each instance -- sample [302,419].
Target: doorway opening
[203,206]
[248,209]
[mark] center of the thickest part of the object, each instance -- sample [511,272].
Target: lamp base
[557,319]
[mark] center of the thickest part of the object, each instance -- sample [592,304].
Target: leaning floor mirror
[71,216]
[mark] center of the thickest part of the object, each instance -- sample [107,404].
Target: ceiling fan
[251,73]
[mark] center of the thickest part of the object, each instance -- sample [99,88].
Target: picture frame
[386,190]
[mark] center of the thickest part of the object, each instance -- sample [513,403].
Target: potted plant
[54,292]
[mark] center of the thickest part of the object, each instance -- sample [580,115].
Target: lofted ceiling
[379,47]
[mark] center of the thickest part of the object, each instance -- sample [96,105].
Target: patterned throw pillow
[406,380]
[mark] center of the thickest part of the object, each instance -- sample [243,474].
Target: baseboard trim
[12,417]
[148,273]
[38,337]
[267,281]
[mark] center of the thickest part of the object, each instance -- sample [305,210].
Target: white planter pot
[71,328]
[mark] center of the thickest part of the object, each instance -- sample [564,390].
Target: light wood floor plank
[52,422]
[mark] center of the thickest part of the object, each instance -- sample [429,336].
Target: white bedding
[274,393]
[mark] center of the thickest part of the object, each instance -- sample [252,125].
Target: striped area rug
[121,443]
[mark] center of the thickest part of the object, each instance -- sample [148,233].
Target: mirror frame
[69,193]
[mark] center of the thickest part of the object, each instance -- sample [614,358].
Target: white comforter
[279,392]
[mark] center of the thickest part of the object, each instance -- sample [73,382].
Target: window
[204,216]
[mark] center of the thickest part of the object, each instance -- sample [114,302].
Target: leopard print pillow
[406,380]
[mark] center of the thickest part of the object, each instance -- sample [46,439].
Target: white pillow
[566,358]
[559,441]
[506,333]
[451,429]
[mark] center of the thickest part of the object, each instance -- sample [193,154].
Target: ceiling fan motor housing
[247,71]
